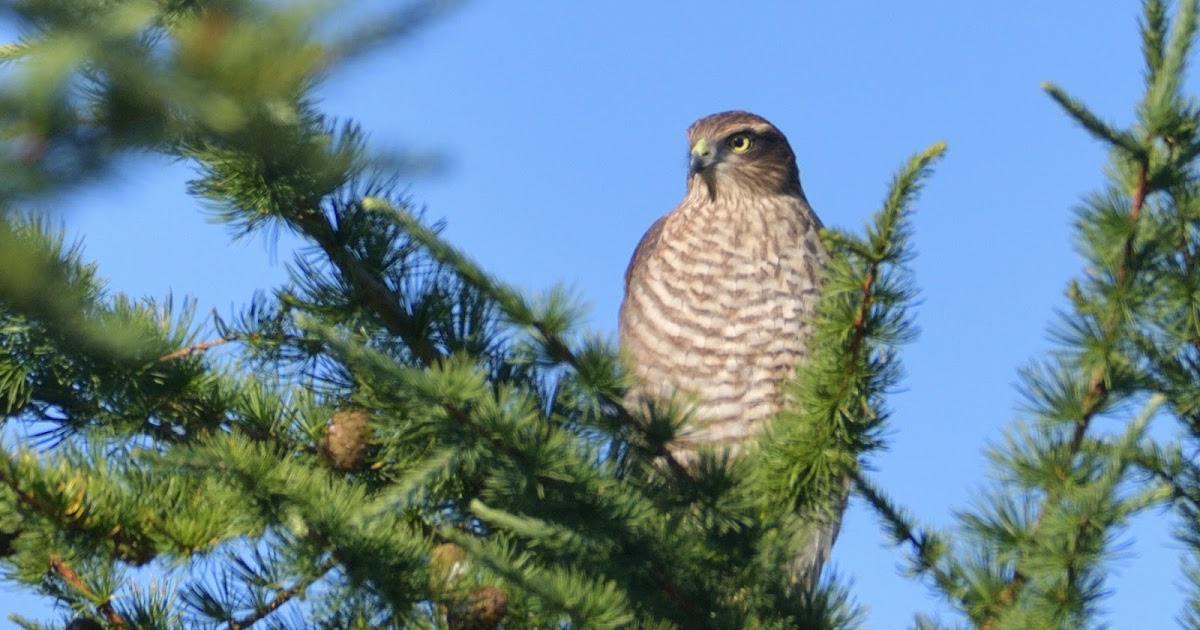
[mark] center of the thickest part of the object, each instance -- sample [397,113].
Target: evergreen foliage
[397,438]
[1032,552]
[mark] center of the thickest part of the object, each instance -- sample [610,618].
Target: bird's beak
[703,157]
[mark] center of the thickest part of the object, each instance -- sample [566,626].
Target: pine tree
[397,438]
[394,438]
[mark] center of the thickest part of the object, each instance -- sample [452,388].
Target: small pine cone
[483,610]
[345,439]
[447,563]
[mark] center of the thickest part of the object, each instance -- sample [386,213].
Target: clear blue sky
[563,128]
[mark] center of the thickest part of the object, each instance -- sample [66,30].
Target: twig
[72,578]
[888,512]
[192,349]
[281,598]
[372,292]
[860,324]
[564,353]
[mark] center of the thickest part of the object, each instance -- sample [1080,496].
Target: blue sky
[562,128]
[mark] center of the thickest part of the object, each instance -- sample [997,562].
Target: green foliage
[837,412]
[394,438]
[1033,550]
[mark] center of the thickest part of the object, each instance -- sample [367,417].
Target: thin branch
[859,332]
[281,598]
[888,513]
[69,575]
[370,289]
[193,349]
[505,297]
[563,352]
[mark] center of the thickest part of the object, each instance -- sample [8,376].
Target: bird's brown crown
[741,153]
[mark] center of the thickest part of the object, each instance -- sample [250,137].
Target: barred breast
[717,310]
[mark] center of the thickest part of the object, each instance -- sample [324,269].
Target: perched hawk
[720,292]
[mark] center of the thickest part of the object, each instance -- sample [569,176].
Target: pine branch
[811,448]
[528,526]
[1093,124]
[369,287]
[927,548]
[461,412]
[25,496]
[282,597]
[1112,301]
[331,520]
[1097,393]
[1162,96]
[559,348]
[69,575]
[193,349]
[588,600]
[1153,28]
[518,311]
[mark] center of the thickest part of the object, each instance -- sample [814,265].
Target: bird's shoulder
[645,247]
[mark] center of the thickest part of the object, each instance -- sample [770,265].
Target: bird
[721,292]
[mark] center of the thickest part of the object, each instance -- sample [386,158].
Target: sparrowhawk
[721,291]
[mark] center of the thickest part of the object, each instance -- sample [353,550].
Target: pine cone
[447,563]
[483,610]
[345,440]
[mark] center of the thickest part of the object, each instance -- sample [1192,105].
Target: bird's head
[739,153]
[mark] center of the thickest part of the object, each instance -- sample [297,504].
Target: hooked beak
[703,156]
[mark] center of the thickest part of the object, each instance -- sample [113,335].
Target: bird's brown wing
[645,248]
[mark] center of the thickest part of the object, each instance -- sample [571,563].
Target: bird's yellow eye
[740,143]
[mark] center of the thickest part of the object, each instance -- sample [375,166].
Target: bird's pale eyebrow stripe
[760,129]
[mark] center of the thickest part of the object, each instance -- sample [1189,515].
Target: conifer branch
[462,414]
[282,597]
[370,289]
[24,496]
[560,349]
[1164,117]
[661,574]
[813,447]
[926,547]
[1092,123]
[69,575]
[1153,28]
[603,605]
[1097,392]
[517,310]
[193,349]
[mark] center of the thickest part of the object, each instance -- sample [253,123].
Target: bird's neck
[735,204]
[701,189]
